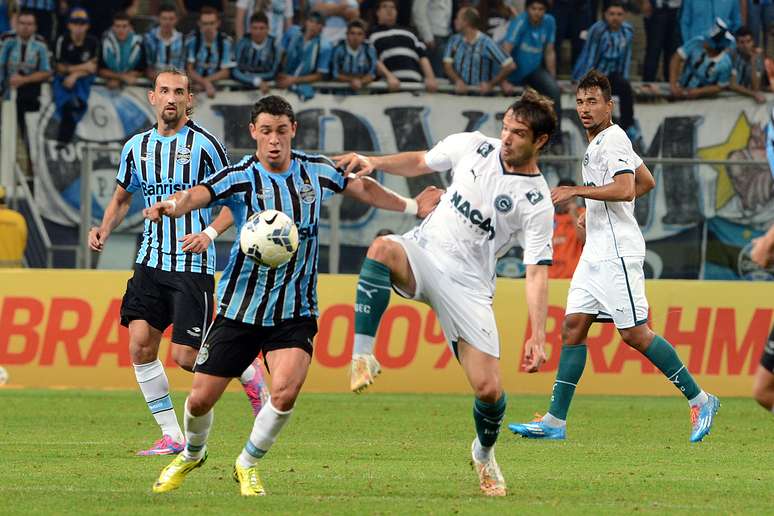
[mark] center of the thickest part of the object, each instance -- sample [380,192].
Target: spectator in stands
[529,40]
[279,13]
[210,52]
[164,45]
[191,9]
[573,17]
[258,55]
[608,48]
[121,56]
[101,12]
[307,58]
[473,59]
[433,19]
[8,10]
[354,59]
[402,57]
[758,16]
[13,234]
[662,31]
[24,66]
[337,14]
[702,67]
[698,16]
[747,62]
[569,235]
[45,13]
[75,55]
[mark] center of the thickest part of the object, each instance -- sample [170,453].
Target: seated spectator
[258,55]
[402,57]
[473,59]
[569,235]
[210,53]
[697,17]
[164,45]
[24,66]
[121,57]
[529,40]
[354,59]
[433,21]
[307,58]
[13,235]
[45,13]
[702,67]
[747,62]
[662,35]
[608,48]
[337,14]
[279,13]
[190,10]
[75,55]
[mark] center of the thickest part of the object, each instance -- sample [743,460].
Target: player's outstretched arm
[406,164]
[114,214]
[621,189]
[537,305]
[643,180]
[200,242]
[370,192]
[179,204]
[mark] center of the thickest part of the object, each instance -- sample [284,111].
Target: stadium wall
[61,329]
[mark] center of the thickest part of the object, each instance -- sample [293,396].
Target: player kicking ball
[497,194]
[609,283]
[260,309]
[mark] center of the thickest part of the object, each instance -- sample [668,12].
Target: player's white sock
[364,344]
[267,426]
[155,388]
[247,375]
[197,429]
[700,399]
[481,453]
[554,422]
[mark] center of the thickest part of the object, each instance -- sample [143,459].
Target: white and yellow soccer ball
[270,238]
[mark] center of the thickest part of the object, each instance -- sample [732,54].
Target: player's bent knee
[488,391]
[383,250]
[284,395]
[198,405]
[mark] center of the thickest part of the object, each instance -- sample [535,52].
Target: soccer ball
[269,237]
[3,375]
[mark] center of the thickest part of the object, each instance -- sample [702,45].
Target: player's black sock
[488,418]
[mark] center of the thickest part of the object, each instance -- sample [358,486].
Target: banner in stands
[698,221]
[61,328]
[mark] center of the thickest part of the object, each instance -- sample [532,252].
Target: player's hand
[427,200]
[157,210]
[460,87]
[431,84]
[393,83]
[354,163]
[97,239]
[534,354]
[196,243]
[582,220]
[485,87]
[760,253]
[561,194]
[676,91]
[209,88]
[508,88]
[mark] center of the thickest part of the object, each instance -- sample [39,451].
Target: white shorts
[463,312]
[613,290]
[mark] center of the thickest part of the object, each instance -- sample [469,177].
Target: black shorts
[767,358]
[183,299]
[230,346]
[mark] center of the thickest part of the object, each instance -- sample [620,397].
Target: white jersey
[484,212]
[611,228]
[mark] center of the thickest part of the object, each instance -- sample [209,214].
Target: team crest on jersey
[307,193]
[204,354]
[534,196]
[485,148]
[503,203]
[586,160]
[183,156]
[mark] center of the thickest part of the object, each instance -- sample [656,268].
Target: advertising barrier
[61,329]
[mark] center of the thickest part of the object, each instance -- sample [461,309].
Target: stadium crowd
[705,46]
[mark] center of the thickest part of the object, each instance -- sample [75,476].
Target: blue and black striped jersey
[121,56]
[253,293]
[159,166]
[353,62]
[208,59]
[161,53]
[256,62]
[475,62]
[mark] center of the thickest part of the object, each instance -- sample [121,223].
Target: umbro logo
[194,332]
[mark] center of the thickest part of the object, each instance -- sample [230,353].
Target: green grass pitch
[73,452]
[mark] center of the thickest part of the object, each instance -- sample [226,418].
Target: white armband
[211,232]
[411,206]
